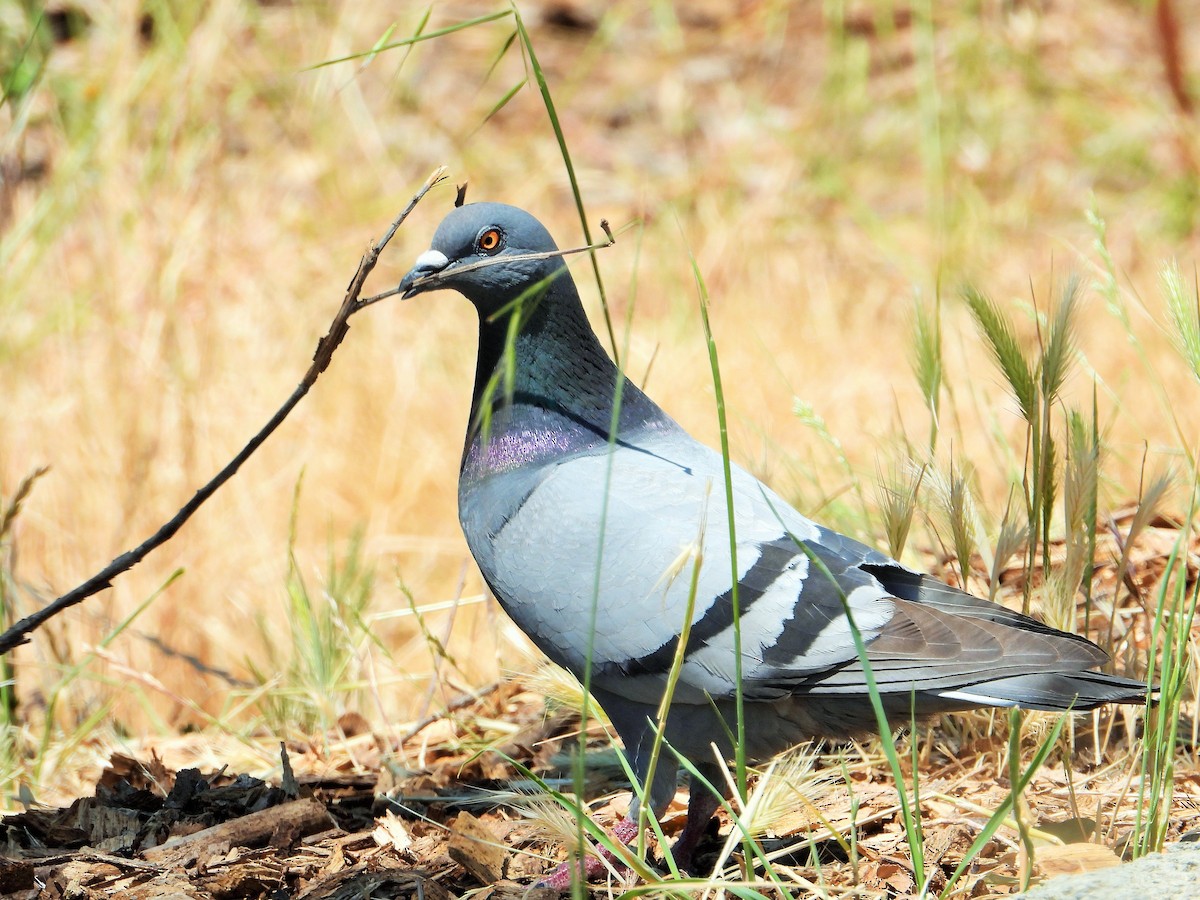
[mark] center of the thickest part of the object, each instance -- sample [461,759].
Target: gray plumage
[540,472]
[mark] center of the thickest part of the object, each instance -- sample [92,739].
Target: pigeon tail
[1051,691]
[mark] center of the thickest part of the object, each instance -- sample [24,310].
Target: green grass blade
[896,491]
[1012,537]
[552,113]
[926,361]
[503,101]
[415,39]
[909,811]
[79,667]
[1183,307]
[1001,338]
[1059,349]
[727,473]
[1017,787]
[501,53]
[1170,662]
[19,75]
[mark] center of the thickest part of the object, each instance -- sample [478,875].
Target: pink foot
[590,866]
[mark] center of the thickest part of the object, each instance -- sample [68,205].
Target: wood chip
[370,879]
[391,832]
[15,875]
[475,847]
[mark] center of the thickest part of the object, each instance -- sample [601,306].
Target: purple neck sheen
[558,394]
[541,438]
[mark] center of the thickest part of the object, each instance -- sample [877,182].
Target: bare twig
[457,703]
[19,633]
[299,818]
[433,278]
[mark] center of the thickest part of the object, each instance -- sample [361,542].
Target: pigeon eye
[491,241]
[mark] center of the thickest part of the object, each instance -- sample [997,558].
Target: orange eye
[490,240]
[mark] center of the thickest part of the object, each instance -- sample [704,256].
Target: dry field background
[184,197]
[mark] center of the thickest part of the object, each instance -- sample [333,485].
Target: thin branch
[434,278]
[456,704]
[19,633]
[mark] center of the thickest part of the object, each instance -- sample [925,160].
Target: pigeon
[601,527]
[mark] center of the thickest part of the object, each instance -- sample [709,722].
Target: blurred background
[186,189]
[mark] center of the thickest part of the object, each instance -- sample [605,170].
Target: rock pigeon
[591,537]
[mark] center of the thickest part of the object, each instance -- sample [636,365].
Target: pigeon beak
[428,264]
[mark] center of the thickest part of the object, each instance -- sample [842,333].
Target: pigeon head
[557,378]
[476,251]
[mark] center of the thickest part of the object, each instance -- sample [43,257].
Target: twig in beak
[435,277]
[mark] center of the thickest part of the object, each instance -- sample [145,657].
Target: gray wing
[537,537]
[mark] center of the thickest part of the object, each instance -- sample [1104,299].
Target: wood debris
[438,816]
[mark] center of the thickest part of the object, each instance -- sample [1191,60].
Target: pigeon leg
[591,865]
[702,803]
[631,722]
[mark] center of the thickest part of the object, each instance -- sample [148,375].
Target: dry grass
[206,197]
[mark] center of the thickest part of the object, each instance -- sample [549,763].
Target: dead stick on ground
[298,818]
[19,633]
